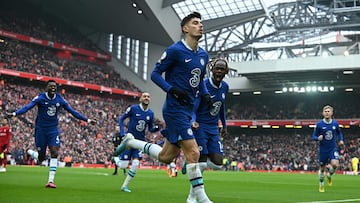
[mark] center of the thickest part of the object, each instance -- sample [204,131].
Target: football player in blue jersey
[140,118]
[206,120]
[184,64]
[48,104]
[325,132]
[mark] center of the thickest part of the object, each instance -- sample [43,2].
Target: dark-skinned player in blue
[49,104]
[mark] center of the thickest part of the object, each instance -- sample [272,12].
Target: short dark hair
[49,81]
[187,18]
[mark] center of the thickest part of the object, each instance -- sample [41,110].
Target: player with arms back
[184,64]
[140,118]
[326,132]
[48,104]
[206,120]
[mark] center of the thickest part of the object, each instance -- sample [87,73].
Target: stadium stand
[256,149]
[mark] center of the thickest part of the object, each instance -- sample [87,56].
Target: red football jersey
[5,134]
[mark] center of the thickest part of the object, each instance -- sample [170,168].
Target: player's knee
[216,158]
[192,156]
[203,158]
[135,163]
[166,159]
[123,164]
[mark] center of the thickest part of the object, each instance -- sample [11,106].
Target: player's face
[51,87]
[4,122]
[194,28]
[145,98]
[219,71]
[327,113]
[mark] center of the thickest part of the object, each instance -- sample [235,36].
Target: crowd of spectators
[37,59]
[24,20]
[41,60]
[283,149]
[82,142]
[292,106]
[251,148]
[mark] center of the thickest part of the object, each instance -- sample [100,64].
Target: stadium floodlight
[296,89]
[284,89]
[332,88]
[308,89]
[348,72]
[313,88]
[134,5]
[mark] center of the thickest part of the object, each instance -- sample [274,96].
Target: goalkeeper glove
[181,96]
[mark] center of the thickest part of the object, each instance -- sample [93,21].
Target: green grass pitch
[22,184]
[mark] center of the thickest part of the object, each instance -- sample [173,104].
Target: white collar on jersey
[187,46]
[212,84]
[49,97]
[143,108]
[326,121]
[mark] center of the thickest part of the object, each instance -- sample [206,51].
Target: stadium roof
[242,30]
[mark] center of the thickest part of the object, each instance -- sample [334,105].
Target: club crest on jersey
[57,104]
[162,57]
[223,95]
[147,118]
[189,131]
[202,61]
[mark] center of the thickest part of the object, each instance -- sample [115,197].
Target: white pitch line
[333,201]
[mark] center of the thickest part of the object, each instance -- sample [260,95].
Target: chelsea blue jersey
[184,69]
[48,110]
[139,119]
[203,114]
[329,130]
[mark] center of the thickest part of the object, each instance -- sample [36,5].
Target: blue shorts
[46,137]
[208,140]
[326,157]
[178,127]
[131,154]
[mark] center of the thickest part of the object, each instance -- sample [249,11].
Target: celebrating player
[48,104]
[205,125]
[5,135]
[140,117]
[184,64]
[325,132]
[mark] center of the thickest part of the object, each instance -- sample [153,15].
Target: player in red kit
[5,134]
